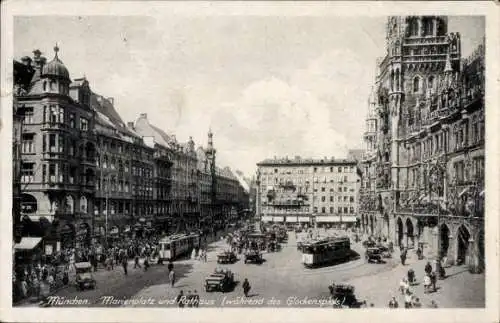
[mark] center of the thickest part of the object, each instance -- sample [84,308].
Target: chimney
[112,100]
[130,124]
[143,115]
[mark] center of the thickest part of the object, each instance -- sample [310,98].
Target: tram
[325,251]
[174,246]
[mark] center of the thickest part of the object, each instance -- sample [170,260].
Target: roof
[56,67]
[27,243]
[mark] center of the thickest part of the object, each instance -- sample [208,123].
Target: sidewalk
[460,289]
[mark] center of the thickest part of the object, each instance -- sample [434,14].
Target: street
[281,281]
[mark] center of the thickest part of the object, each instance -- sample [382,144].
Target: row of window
[460,138]
[339,198]
[325,169]
[340,210]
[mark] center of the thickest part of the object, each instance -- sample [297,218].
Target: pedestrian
[180,299]
[419,254]
[393,303]
[146,264]
[427,283]
[171,276]
[408,299]
[428,268]
[411,276]
[433,277]
[403,256]
[125,265]
[196,299]
[246,287]
[170,266]
[136,264]
[403,285]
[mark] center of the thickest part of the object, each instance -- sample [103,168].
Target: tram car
[174,246]
[325,251]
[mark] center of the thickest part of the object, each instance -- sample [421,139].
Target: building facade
[57,177]
[222,196]
[308,191]
[82,176]
[429,164]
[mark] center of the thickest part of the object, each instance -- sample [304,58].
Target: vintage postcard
[260,161]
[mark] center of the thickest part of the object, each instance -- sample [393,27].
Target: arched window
[52,85]
[416,84]
[83,204]
[70,204]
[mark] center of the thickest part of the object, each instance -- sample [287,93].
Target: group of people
[37,280]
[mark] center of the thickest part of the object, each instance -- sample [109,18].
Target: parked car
[84,277]
[220,280]
[373,255]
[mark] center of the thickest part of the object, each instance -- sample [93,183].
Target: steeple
[210,140]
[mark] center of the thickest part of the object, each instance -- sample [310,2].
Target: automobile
[373,255]
[220,280]
[344,296]
[369,243]
[253,256]
[226,257]
[84,277]
[385,251]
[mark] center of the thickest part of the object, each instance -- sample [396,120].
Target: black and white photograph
[286,161]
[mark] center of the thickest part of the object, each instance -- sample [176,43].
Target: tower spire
[56,49]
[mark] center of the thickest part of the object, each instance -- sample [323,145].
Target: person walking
[171,276]
[146,264]
[125,265]
[408,299]
[428,268]
[246,287]
[403,256]
[433,277]
[427,283]
[136,264]
[170,266]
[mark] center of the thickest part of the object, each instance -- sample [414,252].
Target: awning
[349,218]
[27,243]
[267,218]
[303,219]
[327,218]
[278,219]
[291,219]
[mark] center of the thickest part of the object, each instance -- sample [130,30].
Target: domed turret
[56,68]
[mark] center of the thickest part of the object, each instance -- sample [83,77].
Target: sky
[266,85]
